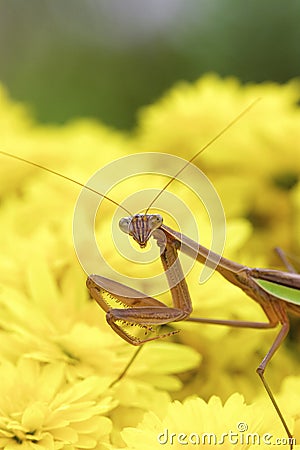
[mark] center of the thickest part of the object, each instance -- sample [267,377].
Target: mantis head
[141,226]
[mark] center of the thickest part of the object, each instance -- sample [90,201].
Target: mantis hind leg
[262,367]
[289,266]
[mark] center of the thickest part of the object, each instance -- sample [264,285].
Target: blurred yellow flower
[255,165]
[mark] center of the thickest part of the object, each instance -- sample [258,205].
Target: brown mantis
[277,292]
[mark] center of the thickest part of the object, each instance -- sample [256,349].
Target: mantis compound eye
[124,224]
[155,221]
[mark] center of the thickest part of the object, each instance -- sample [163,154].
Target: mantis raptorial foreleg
[143,311]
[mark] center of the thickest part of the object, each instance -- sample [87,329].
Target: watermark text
[239,437]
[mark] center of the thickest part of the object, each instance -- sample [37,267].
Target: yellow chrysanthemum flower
[195,423]
[39,410]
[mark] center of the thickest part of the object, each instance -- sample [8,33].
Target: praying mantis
[277,292]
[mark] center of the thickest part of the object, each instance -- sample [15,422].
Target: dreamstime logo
[89,252]
[239,437]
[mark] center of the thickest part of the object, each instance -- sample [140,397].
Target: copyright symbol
[242,426]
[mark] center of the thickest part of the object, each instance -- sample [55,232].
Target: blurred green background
[107,58]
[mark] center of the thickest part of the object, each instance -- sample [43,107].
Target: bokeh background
[107,58]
